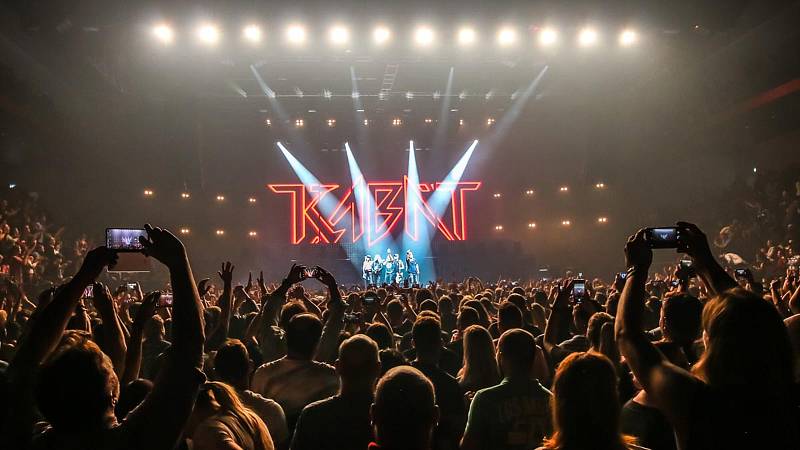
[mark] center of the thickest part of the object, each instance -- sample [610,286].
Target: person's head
[595,326]
[219,398]
[467,316]
[288,311]
[381,334]
[131,396]
[479,357]
[681,318]
[747,345]
[394,311]
[585,404]
[427,337]
[516,352]
[479,308]
[445,305]
[409,254]
[358,364]
[509,317]
[302,336]
[429,305]
[404,411]
[539,315]
[232,363]
[77,387]
[422,295]
[518,299]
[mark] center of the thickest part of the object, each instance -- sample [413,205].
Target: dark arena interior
[356,211]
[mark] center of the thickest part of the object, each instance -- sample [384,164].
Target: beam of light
[441,197]
[501,127]
[238,89]
[365,203]
[441,128]
[360,114]
[269,93]
[421,246]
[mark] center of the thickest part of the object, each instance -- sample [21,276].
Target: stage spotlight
[423,36]
[461,122]
[381,35]
[428,120]
[531,225]
[602,219]
[299,123]
[296,34]
[529,192]
[251,200]
[267,122]
[466,36]
[587,37]
[396,122]
[498,228]
[564,189]
[252,33]
[339,35]
[164,33]
[497,195]
[252,234]
[184,231]
[148,193]
[220,232]
[208,34]
[566,222]
[220,198]
[331,123]
[600,185]
[506,36]
[627,38]
[185,195]
[490,121]
[547,37]
[366,122]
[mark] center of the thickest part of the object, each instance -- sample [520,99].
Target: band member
[377,269]
[412,268]
[366,269]
[388,269]
[399,268]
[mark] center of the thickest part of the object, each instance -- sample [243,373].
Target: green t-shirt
[512,415]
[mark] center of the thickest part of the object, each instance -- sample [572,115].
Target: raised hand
[163,246]
[96,260]
[325,277]
[696,244]
[637,252]
[102,297]
[261,285]
[203,287]
[296,274]
[249,282]
[226,272]
[147,308]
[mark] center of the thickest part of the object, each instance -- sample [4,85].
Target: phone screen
[579,288]
[741,273]
[623,275]
[124,239]
[165,301]
[370,299]
[88,292]
[131,286]
[664,237]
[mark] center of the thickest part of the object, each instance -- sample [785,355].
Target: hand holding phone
[579,288]
[125,239]
[663,237]
[165,300]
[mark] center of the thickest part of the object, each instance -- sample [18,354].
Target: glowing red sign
[382,205]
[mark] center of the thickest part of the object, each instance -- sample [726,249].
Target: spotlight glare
[148,192]
[547,37]
[252,33]
[299,123]
[296,34]
[497,195]
[208,34]
[498,228]
[602,219]
[339,35]
[428,120]
[251,200]
[220,198]
[423,36]
[381,35]
[466,36]
[566,222]
[529,192]
[331,123]
[506,36]
[184,230]
[532,225]
[252,234]
[587,37]
[490,121]
[627,38]
[220,232]
[564,189]
[396,122]
[164,33]
[185,195]
[600,185]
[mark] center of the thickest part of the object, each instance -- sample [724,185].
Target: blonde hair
[480,366]
[231,405]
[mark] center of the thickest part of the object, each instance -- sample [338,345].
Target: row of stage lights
[296,35]
[562,189]
[395,122]
[219,232]
[602,220]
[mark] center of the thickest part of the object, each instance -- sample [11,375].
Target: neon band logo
[385,206]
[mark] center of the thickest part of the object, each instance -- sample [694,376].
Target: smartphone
[130,286]
[623,275]
[311,272]
[579,288]
[352,318]
[675,283]
[742,273]
[370,299]
[125,239]
[88,292]
[165,300]
[687,264]
[663,237]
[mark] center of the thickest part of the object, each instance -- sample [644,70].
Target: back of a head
[518,299]
[381,334]
[404,411]
[394,309]
[288,311]
[358,360]
[478,347]
[467,316]
[747,346]
[509,317]
[517,351]
[232,362]
[154,328]
[596,323]
[422,295]
[427,335]
[429,305]
[445,305]
[585,403]
[681,318]
[77,386]
[518,290]
[302,335]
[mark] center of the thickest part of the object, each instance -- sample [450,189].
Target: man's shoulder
[322,406]
[322,367]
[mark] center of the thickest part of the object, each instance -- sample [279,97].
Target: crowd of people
[693,357]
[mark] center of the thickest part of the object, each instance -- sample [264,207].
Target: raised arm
[133,357]
[671,388]
[558,321]
[160,420]
[225,303]
[708,269]
[113,336]
[329,341]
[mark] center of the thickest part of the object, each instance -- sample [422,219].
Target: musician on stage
[412,268]
[377,269]
[399,268]
[366,269]
[389,265]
